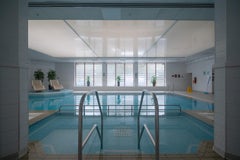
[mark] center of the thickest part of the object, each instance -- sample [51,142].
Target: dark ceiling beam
[122,5]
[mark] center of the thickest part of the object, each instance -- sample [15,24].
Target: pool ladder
[155,141]
[81,143]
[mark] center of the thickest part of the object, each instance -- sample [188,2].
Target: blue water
[179,133]
[127,100]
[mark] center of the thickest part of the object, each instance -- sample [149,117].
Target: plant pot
[88,83]
[154,84]
[50,87]
[118,84]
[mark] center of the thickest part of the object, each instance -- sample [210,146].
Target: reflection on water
[50,102]
[126,101]
[118,99]
[88,99]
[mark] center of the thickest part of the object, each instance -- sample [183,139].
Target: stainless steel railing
[90,133]
[148,133]
[156,140]
[127,108]
[81,144]
[81,110]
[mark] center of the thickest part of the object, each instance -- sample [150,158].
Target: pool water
[179,132]
[127,100]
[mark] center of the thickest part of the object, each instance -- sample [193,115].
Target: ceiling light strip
[122,5]
[122,59]
[162,35]
[69,25]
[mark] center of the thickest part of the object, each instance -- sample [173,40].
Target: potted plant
[39,75]
[88,80]
[154,80]
[118,80]
[51,76]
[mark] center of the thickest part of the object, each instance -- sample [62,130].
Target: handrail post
[99,105]
[156,126]
[156,123]
[80,127]
[138,119]
[80,123]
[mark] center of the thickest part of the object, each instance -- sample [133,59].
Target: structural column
[13,79]
[227,78]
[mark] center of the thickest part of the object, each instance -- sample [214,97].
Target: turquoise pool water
[128,100]
[178,134]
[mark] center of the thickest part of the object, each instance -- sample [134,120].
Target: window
[124,70]
[79,75]
[111,75]
[93,70]
[89,73]
[98,75]
[120,72]
[147,70]
[151,71]
[142,76]
[160,73]
[128,74]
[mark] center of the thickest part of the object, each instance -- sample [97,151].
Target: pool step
[119,157]
[121,152]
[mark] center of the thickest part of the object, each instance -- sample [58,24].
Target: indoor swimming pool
[124,100]
[179,133]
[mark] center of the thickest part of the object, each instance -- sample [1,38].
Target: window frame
[85,74]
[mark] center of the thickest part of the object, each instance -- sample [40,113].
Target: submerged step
[119,156]
[122,152]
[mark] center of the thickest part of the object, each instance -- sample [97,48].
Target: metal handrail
[60,107]
[108,109]
[90,133]
[156,141]
[125,109]
[149,134]
[80,122]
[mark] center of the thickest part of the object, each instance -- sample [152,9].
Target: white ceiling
[120,38]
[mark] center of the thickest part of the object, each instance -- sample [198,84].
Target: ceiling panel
[120,38]
[56,39]
[189,37]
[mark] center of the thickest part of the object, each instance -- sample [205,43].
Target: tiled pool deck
[207,117]
[205,151]
[38,115]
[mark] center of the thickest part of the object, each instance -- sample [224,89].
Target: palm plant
[154,80]
[39,75]
[118,78]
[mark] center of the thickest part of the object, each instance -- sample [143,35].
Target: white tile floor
[34,115]
[197,95]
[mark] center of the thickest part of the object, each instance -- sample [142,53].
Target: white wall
[65,74]
[227,78]
[179,83]
[201,68]
[13,77]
